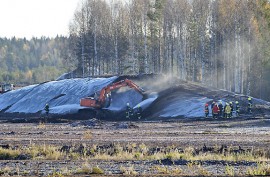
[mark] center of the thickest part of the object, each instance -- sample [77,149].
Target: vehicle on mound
[6,88]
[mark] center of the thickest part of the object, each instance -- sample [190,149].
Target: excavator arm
[91,102]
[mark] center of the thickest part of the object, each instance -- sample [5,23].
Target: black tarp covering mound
[166,98]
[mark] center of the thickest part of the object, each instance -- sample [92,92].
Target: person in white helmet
[129,111]
[237,108]
[249,105]
[139,112]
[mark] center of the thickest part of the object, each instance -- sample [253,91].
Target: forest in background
[219,43]
[24,62]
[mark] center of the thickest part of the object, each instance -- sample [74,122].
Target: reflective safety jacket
[215,109]
[237,107]
[228,109]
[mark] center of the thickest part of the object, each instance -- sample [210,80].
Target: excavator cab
[89,102]
[94,102]
[108,100]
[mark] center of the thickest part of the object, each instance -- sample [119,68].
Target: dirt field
[203,136]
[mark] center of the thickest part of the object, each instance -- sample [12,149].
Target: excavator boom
[100,102]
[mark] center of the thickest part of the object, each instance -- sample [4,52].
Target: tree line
[31,61]
[219,43]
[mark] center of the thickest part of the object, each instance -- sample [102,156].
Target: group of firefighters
[226,111]
[218,110]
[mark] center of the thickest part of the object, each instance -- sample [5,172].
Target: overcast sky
[28,18]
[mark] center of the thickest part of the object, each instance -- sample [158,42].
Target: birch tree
[220,43]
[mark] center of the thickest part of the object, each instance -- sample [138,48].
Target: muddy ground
[249,133]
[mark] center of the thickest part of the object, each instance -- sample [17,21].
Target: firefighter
[206,110]
[231,105]
[139,111]
[228,111]
[237,108]
[212,106]
[128,111]
[249,105]
[215,111]
[47,109]
[220,106]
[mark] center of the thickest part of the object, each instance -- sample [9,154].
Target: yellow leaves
[267,6]
[26,47]
[227,9]
[255,25]
[29,75]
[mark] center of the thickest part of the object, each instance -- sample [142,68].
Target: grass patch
[9,154]
[85,169]
[41,125]
[45,152]
[262,169]
[121,152]
[131,152]
[56,174]
[203,171]
[229,170]
[128,170]
[87,135]
[97,170]
[166,170]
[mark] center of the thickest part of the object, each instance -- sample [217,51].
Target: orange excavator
[104,97]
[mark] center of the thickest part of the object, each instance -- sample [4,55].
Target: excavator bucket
[145,96]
